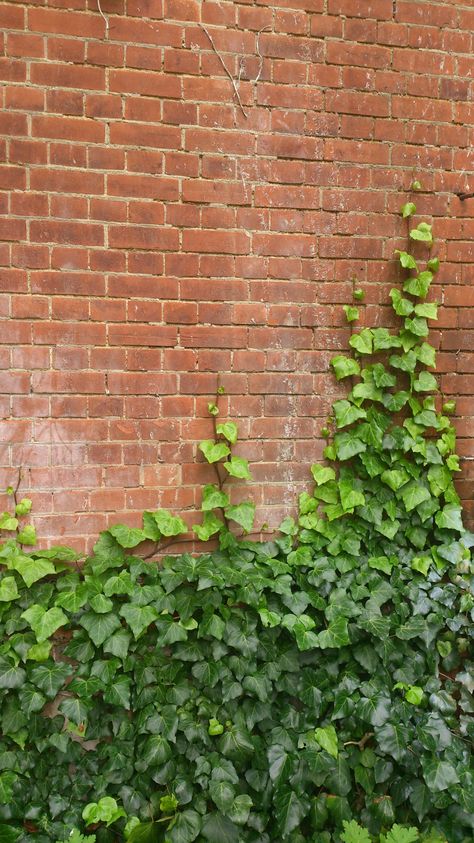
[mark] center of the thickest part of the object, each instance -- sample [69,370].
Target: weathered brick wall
[152,235]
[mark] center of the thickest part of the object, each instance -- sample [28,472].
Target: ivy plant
[315,687]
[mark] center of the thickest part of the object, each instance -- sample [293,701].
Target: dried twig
[227,71]
[106,20]
[265,29]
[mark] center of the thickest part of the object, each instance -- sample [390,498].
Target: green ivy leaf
[408,209]
[335,636]
[352,313]
[127,536]
[44,623]
[407,261]
[168,524]
[347,413]
[27,535]
[213,498]
[214,451]
[138,618]
[243,514]
[327,738]
[401,306]
[422,233]
[99,627]
[450,518]
[229,431]
[184,828]
[419,284]
[344,366]
[211,525]
[322,474]
[237,467]
[290,810]
[23,507]
[439,775]
[363,342]
[8,589]
[8,522]
[32,569]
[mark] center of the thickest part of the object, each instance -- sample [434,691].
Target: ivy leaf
[393,740]
[211,525]
[184,828]
[354,833]
[243,514]
[50,678]
[327,738]
[347,445]
[425,382]
[99,627]
[419,284]
[8,589]
[168,524]
[352,313]
[229,431]
[401,306]
[127,536]
[118,692]
[347,413]
[219,829]
[32,569]
[138,618]
[350,497]
[439,775]
[363,341]
[408,209]
[44,623]
[406,260]
[27,535]
[8,522]
[290,810]
[213,498]
[75,710]
[237,467]
[322,474]
[429,310]
[344,366]
[422,233]
[413,494]
[335,636]
[450,518]
[7,780]
[214,451]
[222,794]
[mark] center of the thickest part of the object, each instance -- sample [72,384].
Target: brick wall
[153,233]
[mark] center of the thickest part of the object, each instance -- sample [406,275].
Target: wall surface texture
[155,233]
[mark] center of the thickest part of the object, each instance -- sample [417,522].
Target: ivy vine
[315,687]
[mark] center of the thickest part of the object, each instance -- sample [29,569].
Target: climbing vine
[314,687]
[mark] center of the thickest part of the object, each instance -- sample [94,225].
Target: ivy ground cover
[316,687]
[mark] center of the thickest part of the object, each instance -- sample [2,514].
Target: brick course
[152,234]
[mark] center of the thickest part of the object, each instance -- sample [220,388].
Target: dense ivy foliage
[287,690]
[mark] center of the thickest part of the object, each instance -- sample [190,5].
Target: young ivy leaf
[229,431]
[237,467]
[407,261]
[344,366]
[211,525]
[327,739]
[422,233]
[214,451]
[23,507]
[213,498]
[352,313]
[243,514]
[408,209]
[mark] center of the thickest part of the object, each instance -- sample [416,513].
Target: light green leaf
[8,589]
[214,451]
[32,569]
[211,525]
[168,524]
[322,474]
[450,518]
[327,738]
[352,313]
[44,623]
[413,494]
[422,233]
[406,260]
[213,498]
[419,284]
[8,522]
[243,514]
[229,431]
[237,467]
[363,341]
[335,636]
[127,536]
[401,306]
[347,413]
[408,209]
[354,833]
[7,780]
[344,366]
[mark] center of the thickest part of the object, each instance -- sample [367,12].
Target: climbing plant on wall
[289,690]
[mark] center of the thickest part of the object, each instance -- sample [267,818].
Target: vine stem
[361,744]
[226,69]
